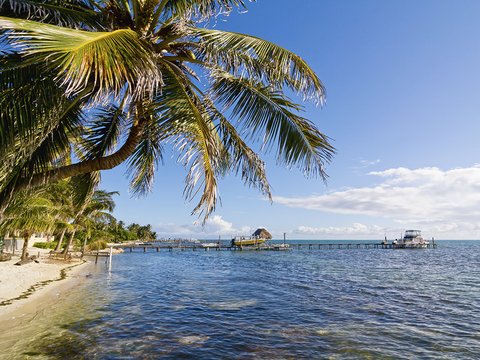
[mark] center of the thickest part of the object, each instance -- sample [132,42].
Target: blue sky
[402,109]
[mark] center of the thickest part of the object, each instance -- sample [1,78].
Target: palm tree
[27,213]
[96,207]
[78,75]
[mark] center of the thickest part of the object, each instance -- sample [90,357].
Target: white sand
[17,281]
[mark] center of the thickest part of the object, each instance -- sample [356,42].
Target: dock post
[96,258]
[131,249]
[110,259]
[158,248]
[144,249]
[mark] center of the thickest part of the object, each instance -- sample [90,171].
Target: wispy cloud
[366,163]
[216,225]
[447,201]
[354,229]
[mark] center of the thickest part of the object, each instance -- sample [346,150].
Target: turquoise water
[311,304]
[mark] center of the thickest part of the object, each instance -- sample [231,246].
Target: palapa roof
[262,233]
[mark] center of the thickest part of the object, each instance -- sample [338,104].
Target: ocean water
[299,304]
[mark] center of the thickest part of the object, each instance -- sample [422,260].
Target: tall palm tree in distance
[27,213]
[95,206]
[114,81]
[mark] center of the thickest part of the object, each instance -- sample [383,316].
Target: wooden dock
[271,247]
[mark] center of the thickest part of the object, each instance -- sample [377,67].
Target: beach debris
[27,261]
[5,257]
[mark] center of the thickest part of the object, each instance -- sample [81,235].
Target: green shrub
[45,245]
[97,245]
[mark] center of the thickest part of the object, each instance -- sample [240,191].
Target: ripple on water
[299,304]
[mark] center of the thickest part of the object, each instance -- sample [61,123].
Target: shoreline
[29,288]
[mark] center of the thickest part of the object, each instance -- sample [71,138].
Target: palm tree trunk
[59,245]
[83,246]
[84,167]
[70,241]
[26,237]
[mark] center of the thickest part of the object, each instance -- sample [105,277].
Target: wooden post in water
[110,258]
[96,258]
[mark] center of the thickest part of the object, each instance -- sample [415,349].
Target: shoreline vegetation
[45,234]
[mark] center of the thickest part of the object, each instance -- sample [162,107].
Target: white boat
[412,240]
[210,245]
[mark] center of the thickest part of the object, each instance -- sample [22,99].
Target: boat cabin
[412,234]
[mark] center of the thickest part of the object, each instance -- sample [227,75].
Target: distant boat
[412,240]
[247,241]
[256,239]
[210,245]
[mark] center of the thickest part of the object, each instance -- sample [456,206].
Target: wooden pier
[271,247]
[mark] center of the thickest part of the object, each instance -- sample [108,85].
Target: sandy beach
[22,288]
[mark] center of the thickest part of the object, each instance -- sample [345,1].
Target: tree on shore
[27,213]
[95,208]
[78,75]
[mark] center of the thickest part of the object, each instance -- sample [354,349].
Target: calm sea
[309,304]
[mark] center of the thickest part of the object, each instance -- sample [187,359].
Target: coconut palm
[80,75]
[95,207]
[27,213]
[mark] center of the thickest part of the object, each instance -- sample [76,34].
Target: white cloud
[444,201]
[366,163]
[354,229]
[213,227]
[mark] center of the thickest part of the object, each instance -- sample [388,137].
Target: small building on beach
[14,242]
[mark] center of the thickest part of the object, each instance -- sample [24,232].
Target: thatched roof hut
[262,233]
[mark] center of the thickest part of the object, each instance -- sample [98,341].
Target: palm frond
[28,99]
[35,154]
[185,119]
[71,13]
[259,109]
[103,131]
[145,158]
[240,54]
[107,60]
[83,188]
[198,9]
[98,202]
[31,211]
[241,157]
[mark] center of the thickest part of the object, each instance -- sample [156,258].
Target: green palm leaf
[242,158]
[186,120]
[107,60]
[145,159]
[67,13]
[103,131]
[202,9]
[262,110]
[241,53]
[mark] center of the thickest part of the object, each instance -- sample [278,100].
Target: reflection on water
[301,304]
